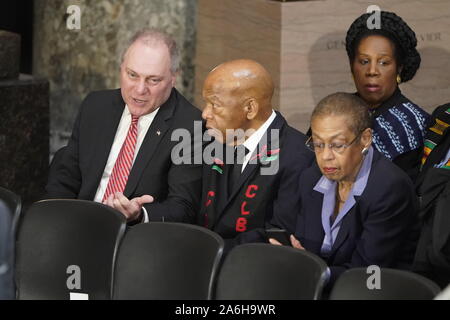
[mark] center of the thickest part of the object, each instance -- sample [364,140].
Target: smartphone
[281,235]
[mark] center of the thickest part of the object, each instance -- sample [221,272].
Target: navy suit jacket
[175,187]
[257,201]
[380,229]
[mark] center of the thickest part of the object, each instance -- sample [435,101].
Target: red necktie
[124,162]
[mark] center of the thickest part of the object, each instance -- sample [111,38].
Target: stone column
[78,61]
[24,125]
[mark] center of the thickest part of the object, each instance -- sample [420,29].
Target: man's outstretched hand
[131,209]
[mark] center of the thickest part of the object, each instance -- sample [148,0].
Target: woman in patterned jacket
[380,59]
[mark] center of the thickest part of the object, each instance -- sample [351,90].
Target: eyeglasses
[335,147]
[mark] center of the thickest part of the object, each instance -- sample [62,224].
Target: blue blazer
[380,229]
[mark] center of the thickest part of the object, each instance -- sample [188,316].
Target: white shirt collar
[252,142]
[151,115]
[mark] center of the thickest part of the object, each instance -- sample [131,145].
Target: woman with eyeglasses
[382,58]
[357,208]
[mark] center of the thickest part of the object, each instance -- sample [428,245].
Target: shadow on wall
[329,72]
[430,86]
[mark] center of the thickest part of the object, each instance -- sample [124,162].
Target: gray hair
[151,36]
[355,110]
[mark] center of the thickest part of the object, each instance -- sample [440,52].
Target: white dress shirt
[121,133]
[252,142]
[444,294]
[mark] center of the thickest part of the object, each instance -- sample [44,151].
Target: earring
[399,79]
[365,151]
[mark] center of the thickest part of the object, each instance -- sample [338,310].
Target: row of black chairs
[77,246]
[148,261]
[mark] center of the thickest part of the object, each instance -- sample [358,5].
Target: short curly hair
[395,29]
[353,108]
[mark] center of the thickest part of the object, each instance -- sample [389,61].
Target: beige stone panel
[235,29]
[302,45]
[314,62]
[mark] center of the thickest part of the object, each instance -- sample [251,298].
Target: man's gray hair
[352,107]
[151,36]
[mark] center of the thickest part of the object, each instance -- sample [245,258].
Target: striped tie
[124,162]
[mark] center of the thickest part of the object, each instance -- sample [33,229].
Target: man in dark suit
[256,157]
[120,152]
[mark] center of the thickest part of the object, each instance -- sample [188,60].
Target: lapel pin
[158,132]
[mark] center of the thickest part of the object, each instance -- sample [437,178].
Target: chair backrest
[67,246]
[7,290]
[164,260]
[358,284]
[260,271]
[14,205]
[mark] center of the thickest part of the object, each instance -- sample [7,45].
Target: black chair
[53,236]
[393,285]
[261,271]
[169,261]
[7,289]
[14,205]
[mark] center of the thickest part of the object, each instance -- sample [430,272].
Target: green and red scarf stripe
[435,134]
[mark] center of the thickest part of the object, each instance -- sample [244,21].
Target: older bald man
[250,186]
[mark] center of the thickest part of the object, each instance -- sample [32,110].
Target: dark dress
[399,127]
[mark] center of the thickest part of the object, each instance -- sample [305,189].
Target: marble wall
[314,62]
[79,61]
[302,45]
[24,127]
[300,42]
[253,30]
